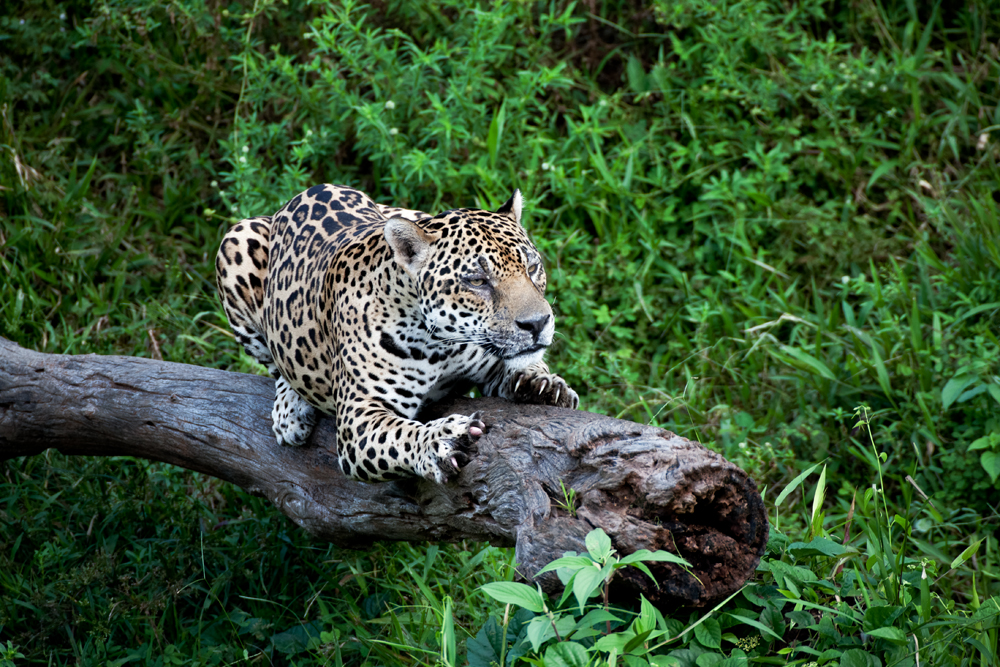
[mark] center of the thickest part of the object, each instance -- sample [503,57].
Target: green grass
[757,219]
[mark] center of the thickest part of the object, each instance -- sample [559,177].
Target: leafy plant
[568,636]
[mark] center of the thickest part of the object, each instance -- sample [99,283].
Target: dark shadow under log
[646,487]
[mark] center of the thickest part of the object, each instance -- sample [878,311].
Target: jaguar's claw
[545,383]
[518,384]
[558,390]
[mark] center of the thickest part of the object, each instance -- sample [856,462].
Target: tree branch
[646,487]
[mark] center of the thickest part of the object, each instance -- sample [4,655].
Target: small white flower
[243,159]
[546,166]
[246,149]
[309,132]
[214,184]
[233,209]
[884,88]
[21,22]
[742,445]
[984,139]
[845,279]
[393,131]
[62,17]
[870,84]
[390,105]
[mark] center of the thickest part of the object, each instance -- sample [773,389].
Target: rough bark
[646,487]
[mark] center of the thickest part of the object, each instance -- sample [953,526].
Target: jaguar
[369,312]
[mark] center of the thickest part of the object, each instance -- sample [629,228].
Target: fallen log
[646,487]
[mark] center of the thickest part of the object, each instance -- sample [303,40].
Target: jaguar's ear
[409,243]
[512,208]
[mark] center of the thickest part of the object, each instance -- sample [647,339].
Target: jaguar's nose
[535,326]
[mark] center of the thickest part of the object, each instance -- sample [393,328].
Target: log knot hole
[295,502]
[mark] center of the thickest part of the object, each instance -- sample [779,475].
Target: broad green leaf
[709,633]
[571,562]
[298,638]
[991,464]
[585,583]
[994,391]
[734,661]
[664,661]
[855,657]
[954,388]
[895,635]
[599,545]
[616,640]
[646,620]
[511,592]
[988,610]
[485,648]
[819,546]
[636,75]
[794,484]
[989,441]
[566,654]
[539,631]
[967,554]
[880,617]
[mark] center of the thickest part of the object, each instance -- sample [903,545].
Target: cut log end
[647,488]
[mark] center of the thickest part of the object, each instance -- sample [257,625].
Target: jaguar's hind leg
[241,271]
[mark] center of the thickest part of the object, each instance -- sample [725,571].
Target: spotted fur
[368,312]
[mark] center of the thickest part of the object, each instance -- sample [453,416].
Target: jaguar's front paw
[448,451]
[292,419]
[543,389]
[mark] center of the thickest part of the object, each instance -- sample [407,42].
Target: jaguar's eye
[475,282]
[533,268]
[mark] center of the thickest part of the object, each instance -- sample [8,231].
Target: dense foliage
[769,226]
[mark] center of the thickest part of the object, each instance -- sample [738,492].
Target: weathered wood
[646,487]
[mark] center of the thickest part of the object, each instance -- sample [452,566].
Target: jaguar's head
[480,280]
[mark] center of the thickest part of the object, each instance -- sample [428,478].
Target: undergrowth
[757,217]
